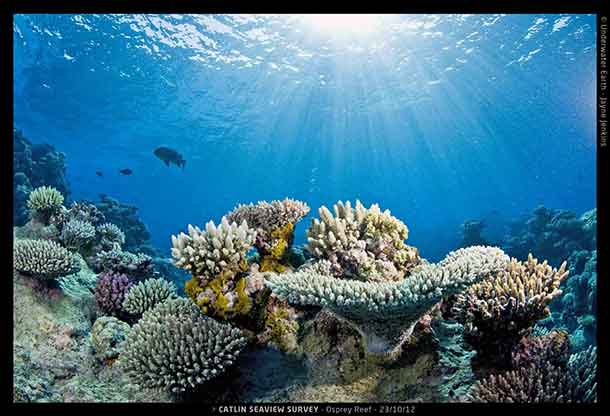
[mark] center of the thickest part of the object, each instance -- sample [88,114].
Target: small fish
[126,172]
[99,173]
[168,155]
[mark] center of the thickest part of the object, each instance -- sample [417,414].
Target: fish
[125,171]
[99,173]
[169,155]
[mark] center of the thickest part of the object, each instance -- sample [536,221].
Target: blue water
[438,118]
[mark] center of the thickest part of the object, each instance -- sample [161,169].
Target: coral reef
[44,202]
[79,286]
[110,291]
[386,312]
[217,249]
[147,294]
[362,243]
[137,236]
[218,263]
[501,309]
[471,233]
[43,259]
[274,224]
[34,165]
[108,336]
[77,234]
[576,309]
[543,381]
[550,234]
[110,235]
[552,347]
[53,356]
[137,266]
[159,352]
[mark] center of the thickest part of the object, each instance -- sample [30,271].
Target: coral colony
[371,318]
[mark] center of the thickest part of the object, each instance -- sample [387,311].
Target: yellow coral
[282,329]
[282,239]
[220,307]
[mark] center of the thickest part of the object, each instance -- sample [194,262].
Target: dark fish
[168,155]
[99,173]
[126,171]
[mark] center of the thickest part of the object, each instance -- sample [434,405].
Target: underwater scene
[304,208]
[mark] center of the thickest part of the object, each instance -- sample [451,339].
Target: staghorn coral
[77,234]
[543,382]
[385,312]
[137,266]
[221,248]
[274,224]
[175,347]
[110,291]
[109,235]
[500,310]
[147,294]
[362,243]
[108,336]
[43,202]
[43,259]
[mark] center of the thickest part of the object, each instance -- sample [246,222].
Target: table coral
[386,311]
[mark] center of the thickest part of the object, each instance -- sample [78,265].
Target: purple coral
[553,347]
[110,292]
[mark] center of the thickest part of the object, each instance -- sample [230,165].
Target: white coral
[207,253]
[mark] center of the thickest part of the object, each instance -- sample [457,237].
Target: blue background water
[438,118]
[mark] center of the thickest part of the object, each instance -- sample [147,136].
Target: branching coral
[543,382]
[43,259]
[274,224]
[379,307]
[553,347]
[43,202]
[176,348]
[362,243]
[147,294]
[77,234]
[217,261]
[110,235]
[500,310]
[137,266]
[217,249]
[110,292]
